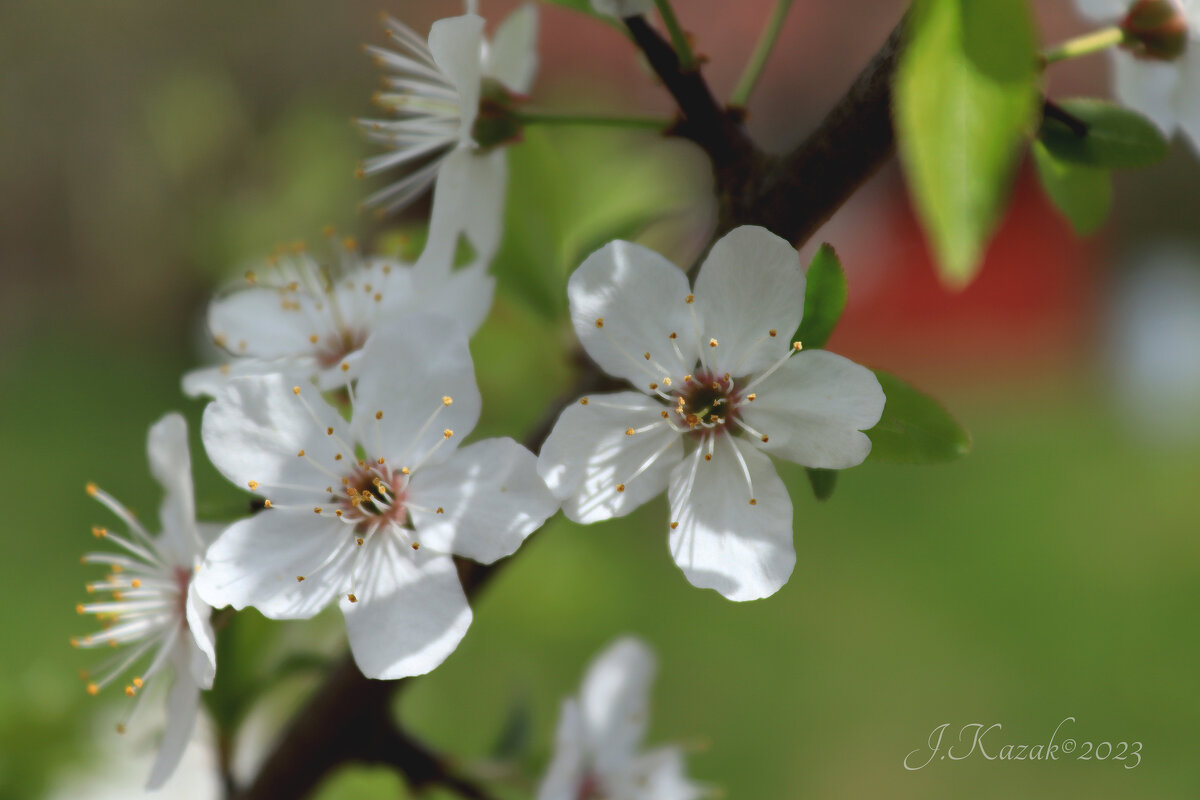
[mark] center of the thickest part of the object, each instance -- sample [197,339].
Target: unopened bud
[1156,30]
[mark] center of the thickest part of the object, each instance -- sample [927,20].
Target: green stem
[1085,45]
[683,50]
[602,120]
[762,51]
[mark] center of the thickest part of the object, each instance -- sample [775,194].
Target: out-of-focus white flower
[1165,87]
[374,508]
[720,388]
[309,321]
[597,750]
[623,8]
[435,91]
[154,607]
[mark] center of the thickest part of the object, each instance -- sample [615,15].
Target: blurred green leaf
[964,97]
[823,482]
[516,735]
[915,428]
[1116,138]
[572,191]
[824,298]
[1082,194]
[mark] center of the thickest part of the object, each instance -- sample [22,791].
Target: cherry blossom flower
[373,508]
[622,8]
[600,732]
[1157,75]
[435,91]
[154,612]
[720,388]
[310,322]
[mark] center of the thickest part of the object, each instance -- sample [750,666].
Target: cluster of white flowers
[347,389]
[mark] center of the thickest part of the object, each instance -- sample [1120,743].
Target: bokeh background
[150,150]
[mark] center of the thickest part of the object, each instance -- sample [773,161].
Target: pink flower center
[706,403]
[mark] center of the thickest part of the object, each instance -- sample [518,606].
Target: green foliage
[823,482]
[965,96]
[1116,137]
[566,200]
[824,298]
[1083,194]
[915,428]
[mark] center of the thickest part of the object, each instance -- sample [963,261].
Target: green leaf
[1116,137]
[824,298]
[1082,194]
[915,428]
[823,482]
[965,97]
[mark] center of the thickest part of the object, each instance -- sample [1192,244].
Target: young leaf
[1116,137]
[965,95]
[824,298]
[1082,194]
[915,428]
[823,482]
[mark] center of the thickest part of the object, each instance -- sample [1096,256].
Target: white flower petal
[641,299]
[623,8]
[419,361]
[256,562]
[615,703]
[468,199]
[263,322]
[457,44]
[512,55]
[568,768]
[750,284]
[813,408]
[207,381]
[171,465]
[202,644]
[464,294]
[1103,10]
[257,426]
[722,542]
[588,454]
[490,497]
[182,704]
[658,775]
[411,611]
[1147,87]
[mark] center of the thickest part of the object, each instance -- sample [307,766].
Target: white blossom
[373,508]
[622,8]
[597,750]
[720,388]
[155,614]
[309,321]
[434,92]
[1165,91]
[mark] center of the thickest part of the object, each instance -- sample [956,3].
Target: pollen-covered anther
[266,503]
[708,456]
[314,338]
[583,401]
[797,346]
[300,454]
[130,691]
[337,513]
[753,502]
[329,431]
[99,532]
[79,609]
[296,390]
[750,398]
[447,400]
[378,415]
[381,461]
[352,597]
[416,546]
[773,333]
[691,298]
[447,433]
[345,367]
[138,682]
[317,509]
[93,689]
[135,583]
[620,487]
[765,438]
[629,431]
[599,322]
[299,579]
[664,414]
[91,489]
[359,541]
[646,356]
[674,525]
[713,342]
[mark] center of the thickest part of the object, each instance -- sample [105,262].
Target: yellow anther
[99,532]
[299,579]
[91,489]
[329,431]
[380,461]
[773,333]
[673,335]
[345,367]
[93,689]
[337,513]
[666,381]
[447,400]
[653,386]
[620,487]
[266,503]
[349,243]
[352,598]
[120,727]
[440,510]
[138,682]
[251,278]
[674,525]
[713,342]
[314,338]
[629,431]
[646,356]
[135,583]
[295,390]
[664,414]
[378,297]
[220,340]
[416,546]
[404,470]
[708,456]
[691,298]
[378,415]
[583,401]
[130,691]
[599,322]
[447,433]
[765,438]
[337,457]
[359,541]
[79,608]
[751,397]
[316,509]
[300,454]
[797,346]
[753,502]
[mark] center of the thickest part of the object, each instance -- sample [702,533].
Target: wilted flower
[154,608]
[374,508]
[720,388]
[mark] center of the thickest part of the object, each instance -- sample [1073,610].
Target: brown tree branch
[349,718]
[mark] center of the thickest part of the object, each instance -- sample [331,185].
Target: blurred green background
[152,149]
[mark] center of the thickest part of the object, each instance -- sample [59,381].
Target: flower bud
[1155,30]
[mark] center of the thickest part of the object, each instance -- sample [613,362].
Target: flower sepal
[1155,30]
